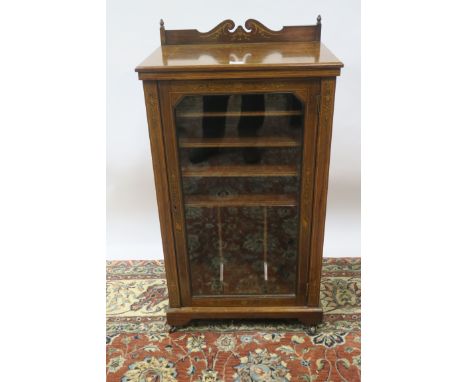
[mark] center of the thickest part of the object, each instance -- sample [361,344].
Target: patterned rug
[140,348]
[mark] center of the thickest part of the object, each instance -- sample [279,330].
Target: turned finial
[319,20]
[162,32]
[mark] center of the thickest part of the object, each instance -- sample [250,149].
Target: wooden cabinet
[240,125]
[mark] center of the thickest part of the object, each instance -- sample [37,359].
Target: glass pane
[240,158]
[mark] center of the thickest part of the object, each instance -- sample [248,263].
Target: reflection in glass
[240,158]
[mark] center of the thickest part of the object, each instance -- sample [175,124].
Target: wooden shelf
[252,200]
[266,113]
[240,171]
[239,142]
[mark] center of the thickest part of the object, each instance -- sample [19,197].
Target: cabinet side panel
[307,187]
[175,203]
[324,135]
[162,192]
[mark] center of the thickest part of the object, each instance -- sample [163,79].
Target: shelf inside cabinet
[252,200]
[265,113]
[240,142]
[240,171]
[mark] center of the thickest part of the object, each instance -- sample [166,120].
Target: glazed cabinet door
[240,158]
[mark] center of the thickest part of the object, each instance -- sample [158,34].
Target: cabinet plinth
[240,127]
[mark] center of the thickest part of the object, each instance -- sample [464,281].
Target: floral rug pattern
[140,348]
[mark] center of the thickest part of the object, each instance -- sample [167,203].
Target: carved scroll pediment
[254,31]
[226,32]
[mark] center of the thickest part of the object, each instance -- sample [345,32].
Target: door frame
[306,90]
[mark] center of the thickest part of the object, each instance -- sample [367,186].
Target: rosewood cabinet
[240,124]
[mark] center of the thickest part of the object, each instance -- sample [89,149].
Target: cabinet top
[255,49]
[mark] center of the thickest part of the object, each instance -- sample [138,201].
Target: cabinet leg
[175,321]
[310,330]
[310,323]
